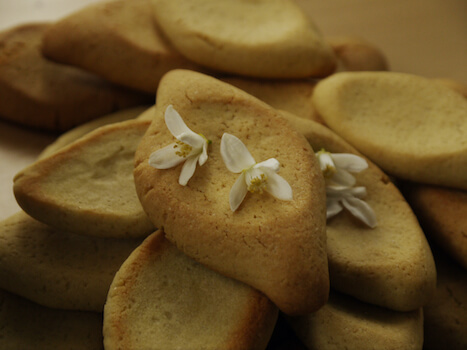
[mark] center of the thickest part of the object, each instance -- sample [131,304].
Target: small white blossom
[255,177]
[341,191]
[190,148]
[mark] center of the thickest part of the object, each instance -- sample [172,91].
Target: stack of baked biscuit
[112,250]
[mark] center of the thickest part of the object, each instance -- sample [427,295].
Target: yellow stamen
[327,165]
[329,171]
[183,149]
[258,184]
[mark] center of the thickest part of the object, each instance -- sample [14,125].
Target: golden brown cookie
[117,40]
[457,86]
[293,96]
[87,187]
[83,129]
[277,246]
[446,314]
[411,127]
[255,38]
[38,93]
[390,265]
[148,114]
[26,325]
[442,213]
[58,269]
[346,323]
[162,299]
[356,54]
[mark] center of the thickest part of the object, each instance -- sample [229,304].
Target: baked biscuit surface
[270,39]
[390,265]
[26,325]
[441,212]
[39,93]
[58,269]
[411,127]
[87,187]
[161,299]
[356,54]
[83,129]
[118,40]
[346,323]
[446,314]
[276,246]
[292,95]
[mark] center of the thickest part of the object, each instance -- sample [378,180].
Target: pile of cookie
[284,191]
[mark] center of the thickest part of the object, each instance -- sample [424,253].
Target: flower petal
[360,210]
[165,158]
[238,192]
[333,208]
[203,157]
[235,154]
[271,164]
[349,162]
[359,191]
[175,123]
[337,191]
[326,163]
[278,186]
[343,177]
[188,169]
[194,140]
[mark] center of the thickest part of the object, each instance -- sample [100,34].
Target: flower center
[258,184]
[329,171]
[326,163]
[182,149]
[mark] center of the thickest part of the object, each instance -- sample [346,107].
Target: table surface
[424,37]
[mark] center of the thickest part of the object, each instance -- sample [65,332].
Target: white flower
[190,148]
[340,197]
[337,167]
[340,185]
[255,177]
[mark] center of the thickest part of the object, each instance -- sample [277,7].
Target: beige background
[425,37]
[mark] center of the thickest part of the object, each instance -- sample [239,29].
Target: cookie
[148,114]
[162,299]
[277,246]
[87,187]
[411,127]
[441,212]
[58,269]
[117,40]
[346,323]
[38,93]
[26,325]
[390,265]
[83,129]
[457,86]
[446,314]
[293,96]
[263,39]
[356,54]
